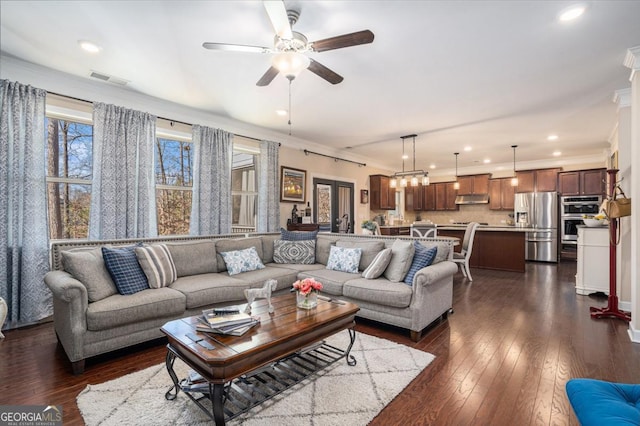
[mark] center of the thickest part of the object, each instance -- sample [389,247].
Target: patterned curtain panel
[211,200]
[24,250]
[268,188]
[123,202]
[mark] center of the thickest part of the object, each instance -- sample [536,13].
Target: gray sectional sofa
[92,318]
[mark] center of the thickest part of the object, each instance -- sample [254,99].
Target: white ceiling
[484,74]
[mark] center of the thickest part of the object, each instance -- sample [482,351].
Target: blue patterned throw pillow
[297,235]
[300,252]
[124,269]
[422,258]
[242,260]
[344,259]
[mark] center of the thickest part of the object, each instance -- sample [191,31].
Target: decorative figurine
[255,293]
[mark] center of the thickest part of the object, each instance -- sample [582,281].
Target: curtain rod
[161,118]
[307,152]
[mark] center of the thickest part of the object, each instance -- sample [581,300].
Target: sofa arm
[434,273]
[70,302]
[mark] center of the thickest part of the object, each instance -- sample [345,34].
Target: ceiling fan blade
[278,16]
[236,47]
[321,71]
[268,77]
[345,40]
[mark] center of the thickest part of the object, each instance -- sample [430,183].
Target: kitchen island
[495,247]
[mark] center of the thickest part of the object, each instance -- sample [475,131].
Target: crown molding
[632,60]
[622,97]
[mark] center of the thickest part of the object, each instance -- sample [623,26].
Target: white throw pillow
[242,260]
[344,259]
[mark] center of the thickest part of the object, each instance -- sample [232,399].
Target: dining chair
[424,233]
[462,258]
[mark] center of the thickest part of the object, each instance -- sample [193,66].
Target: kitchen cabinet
[541,180]
[445,196]
[414,198]
[474,184]
[499,250]
[429,200]
[382,196]
[395,230]
[302,227]
[501,194]
[592,274]
[582,182]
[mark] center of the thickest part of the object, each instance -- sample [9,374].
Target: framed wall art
[293,184]
[364,196]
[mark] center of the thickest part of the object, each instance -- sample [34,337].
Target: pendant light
[456,185]
[417,176]
[514,179]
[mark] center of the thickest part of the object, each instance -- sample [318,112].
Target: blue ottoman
[603,403]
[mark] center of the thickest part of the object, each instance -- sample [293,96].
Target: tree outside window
[174,175]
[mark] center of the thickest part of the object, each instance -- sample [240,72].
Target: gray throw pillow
[378,266]
[402,256]
[295,252]
[87,266]
[369,250]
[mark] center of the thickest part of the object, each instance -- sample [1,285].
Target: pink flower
[307,285]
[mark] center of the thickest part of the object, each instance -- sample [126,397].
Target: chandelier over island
[417,175]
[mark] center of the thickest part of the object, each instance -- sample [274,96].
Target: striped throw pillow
[157,264]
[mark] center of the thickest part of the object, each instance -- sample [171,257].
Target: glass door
[334,205]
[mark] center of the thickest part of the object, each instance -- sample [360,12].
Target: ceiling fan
[289,46]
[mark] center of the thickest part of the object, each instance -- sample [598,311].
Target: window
[69,171]
[174,181]
[244,190]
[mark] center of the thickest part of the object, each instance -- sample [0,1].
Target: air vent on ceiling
[109,78]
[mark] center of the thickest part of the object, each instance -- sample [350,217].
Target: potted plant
[368,227]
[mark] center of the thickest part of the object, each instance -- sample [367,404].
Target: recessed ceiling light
[281,112]
[572,12]
[405,156]
[467,148]
[552,137]
[557,153]
[433,166]
[89,46]
[486,161]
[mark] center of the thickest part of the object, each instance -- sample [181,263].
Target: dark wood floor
[502,358]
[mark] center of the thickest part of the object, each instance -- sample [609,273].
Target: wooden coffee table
[242,372]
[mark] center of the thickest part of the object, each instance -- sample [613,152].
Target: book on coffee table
[232,330]
[214,320]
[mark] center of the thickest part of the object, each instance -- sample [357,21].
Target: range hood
[473,199]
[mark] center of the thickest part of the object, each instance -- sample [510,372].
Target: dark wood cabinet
[414,198]
[501,194]
[395,230]
[440,196]
[541,180]
[582,182]
[302,227]
[474,184]
[382,196]
[429,201]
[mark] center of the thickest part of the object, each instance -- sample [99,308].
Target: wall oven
[571,211]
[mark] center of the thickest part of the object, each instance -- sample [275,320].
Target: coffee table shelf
[252,389]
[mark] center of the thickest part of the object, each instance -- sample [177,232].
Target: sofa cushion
[323,248]
[119,310]
[370,250]
[344,259]
[284,276]
[239,261]
[193,258]
[206,289]
[297,235]
[87,266]
[401,257]
[303,252]
[378,266]
[124,269]
[332,281]
[422,258]
[157,264]
[237,244]
[379,291]
[267,247]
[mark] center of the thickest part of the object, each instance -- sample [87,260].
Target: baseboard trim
[624,306]
[634,334]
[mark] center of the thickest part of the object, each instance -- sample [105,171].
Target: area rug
[337,395]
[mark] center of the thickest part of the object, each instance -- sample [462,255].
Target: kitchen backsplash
[467,213]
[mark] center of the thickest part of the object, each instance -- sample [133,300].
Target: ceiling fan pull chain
[290,80]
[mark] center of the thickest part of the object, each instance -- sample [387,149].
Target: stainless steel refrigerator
[539,210]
